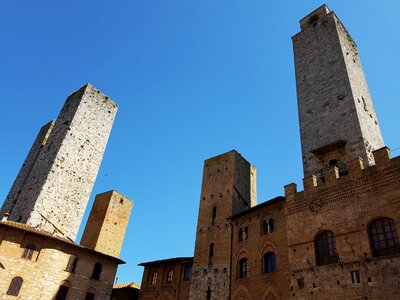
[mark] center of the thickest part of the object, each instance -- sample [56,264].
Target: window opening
[383,237]
[28,251]
[170,276]
[355,276]
[269,262]
[325,248]
[243,268]
[15,286]
[62,292]
[73,260]
[96,271]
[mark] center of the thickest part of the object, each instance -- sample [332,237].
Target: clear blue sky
[193,79]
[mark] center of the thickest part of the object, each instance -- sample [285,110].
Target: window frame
[380,237]
[270,265]
[325,248]
[29,250]
[243,270]
[170,276]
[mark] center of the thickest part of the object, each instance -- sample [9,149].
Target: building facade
[336,239]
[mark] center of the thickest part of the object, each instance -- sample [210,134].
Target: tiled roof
[126,284]
[168,261]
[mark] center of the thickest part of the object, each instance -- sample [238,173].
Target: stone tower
[54,184]
[106,226]
[337,119]
[228,188]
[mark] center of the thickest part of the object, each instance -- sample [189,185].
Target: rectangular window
[355,276]
[186,276]
[300,283]
[71,264]
[62,293]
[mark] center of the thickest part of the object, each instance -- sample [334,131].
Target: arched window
[243,233]
[90,294]
[96,271]
[325,248]
[269,262]
[170,276]
[73,260]
[211,254]
[243,268]
[154,279]
[15,286]
[268,226]
[28,251]
[383,237]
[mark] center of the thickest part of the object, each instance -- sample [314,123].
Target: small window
[243,268]
[90,294]
[300,283]
[96,271]
[62,292]
[208,297]
[243,233]
[383,237]
[211,254]
[28,251]
[73,260]
[154,279]
[170,276]
[15,286]
[214,215]
[355,276]
[325,248]
[186,275]
[269,262]
[268,226]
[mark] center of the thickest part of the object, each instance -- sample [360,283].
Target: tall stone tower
[338,122]
[106,226]
[53,187]
[228,188]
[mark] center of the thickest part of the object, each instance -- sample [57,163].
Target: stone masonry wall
[107,223]
[259,285]
[331,87]
[345,205]
[46,271]
[229,186]
[177,289]
[57,190]
[26,168]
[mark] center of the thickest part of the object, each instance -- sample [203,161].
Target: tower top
[314,16]
[338,122]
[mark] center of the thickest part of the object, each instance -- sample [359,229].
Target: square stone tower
[106,226]
[54,184]
[338,122]
[228,188]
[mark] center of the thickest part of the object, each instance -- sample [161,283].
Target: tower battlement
[357,180]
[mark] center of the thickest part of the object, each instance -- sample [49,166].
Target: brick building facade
[336,239]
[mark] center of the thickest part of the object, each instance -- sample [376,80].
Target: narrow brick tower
[106,226]
[228,188]
[53,186]
[338,122]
